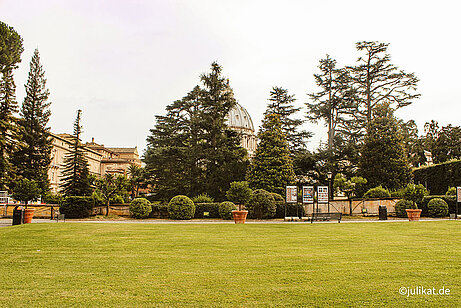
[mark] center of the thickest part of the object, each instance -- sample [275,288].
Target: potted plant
[26,190]
[239,193]
[414,193]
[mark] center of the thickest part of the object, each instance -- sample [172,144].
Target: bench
[326,216]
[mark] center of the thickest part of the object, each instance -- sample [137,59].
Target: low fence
[355,207]
[41,210]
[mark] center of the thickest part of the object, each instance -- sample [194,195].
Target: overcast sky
[123,62]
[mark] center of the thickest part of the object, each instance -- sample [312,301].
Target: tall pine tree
[378,81]
[272,167]
[10,55]
[33,156]
[191,150]
[75,173]
[282,103]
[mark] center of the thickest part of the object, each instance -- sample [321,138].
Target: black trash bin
[382,212]
[18,215]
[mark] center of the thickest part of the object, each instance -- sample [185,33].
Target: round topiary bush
[225,209]
[401,206]
[377,192]
[140,208]
[437,208]
[181,207]
[261,205]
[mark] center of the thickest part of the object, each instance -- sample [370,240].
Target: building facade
[101,160]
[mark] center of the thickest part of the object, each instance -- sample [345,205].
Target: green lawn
[141,265]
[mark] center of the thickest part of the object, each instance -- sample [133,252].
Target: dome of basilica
[239,120]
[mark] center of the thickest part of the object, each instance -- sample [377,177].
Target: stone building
[239,120]
[101,160]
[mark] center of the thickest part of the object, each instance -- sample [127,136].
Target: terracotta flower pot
[240,216]
[28,214]
[413,214]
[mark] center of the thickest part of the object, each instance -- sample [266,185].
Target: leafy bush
[181,207]
[98,198]
[206,210]
[451,191]
[415,193]
[437,207]
[397,193]
[203,198]
[239,193]
[261,205]
[159,210]
[140,208]
[26,190]
[117,199]
[377,192]
[77,207]
[52,198]
[450,200]
[277,197]
[293,209]
[402,205]
[225,209]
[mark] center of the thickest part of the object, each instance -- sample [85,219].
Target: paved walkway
[8,222]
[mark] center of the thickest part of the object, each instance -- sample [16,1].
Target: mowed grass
[144,265]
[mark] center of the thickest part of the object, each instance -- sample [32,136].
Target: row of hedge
[438,178]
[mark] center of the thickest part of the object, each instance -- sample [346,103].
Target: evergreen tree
[33,156]
[383,159]
[282,103]
[191,150]
[10,55]
[378,81]
[335,103]
[75,174]
[272,167]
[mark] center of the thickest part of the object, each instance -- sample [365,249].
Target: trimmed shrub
[159,210]
[239,193]
[415,193]
[203,198]
[206,210]
[225,209]
[377,192]
[437,207]
[261,205]
[450,200]
[77,207]
[402,205]
[140,208]
[181,207]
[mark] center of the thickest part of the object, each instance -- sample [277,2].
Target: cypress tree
[33,156]
[75,174]
[272,167]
